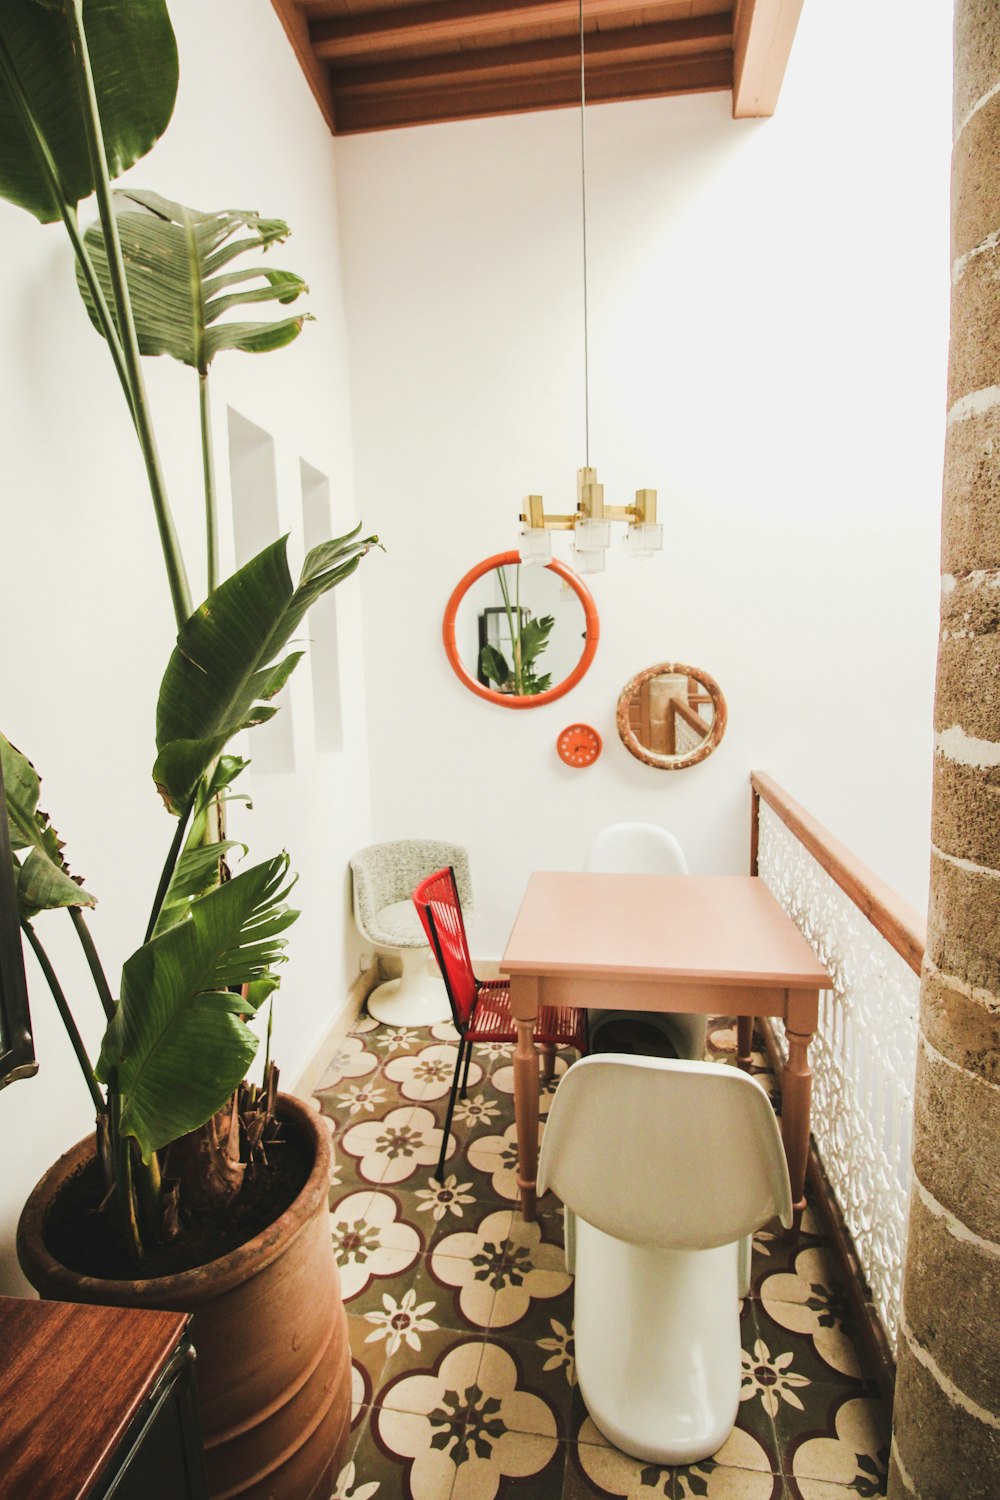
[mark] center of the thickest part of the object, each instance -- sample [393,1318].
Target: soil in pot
[82,1237]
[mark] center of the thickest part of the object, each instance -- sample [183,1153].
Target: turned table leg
[526,1092]
[796,1096]
[744,1041]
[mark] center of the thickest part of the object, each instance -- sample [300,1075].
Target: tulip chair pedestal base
[416,998]
[670,1391]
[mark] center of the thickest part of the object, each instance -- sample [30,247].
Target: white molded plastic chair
[646,849]
[385,877]
[666,1167]
[636,849]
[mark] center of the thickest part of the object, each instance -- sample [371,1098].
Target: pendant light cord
[583,201]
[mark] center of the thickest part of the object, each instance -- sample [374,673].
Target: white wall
[768,338]
[85,614]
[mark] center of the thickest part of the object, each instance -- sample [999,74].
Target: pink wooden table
[715,944]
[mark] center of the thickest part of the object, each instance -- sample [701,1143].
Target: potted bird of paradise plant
[86,89]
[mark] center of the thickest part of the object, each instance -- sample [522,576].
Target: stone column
[946,1439]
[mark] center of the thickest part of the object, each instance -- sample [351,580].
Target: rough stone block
[968,672]
[956,1148]
[977,53]
[964,1029]
[972,606]
[963,935]
[965,823]
[974,351]
[975,185]
[947,1452]
[971,510]
[949,1281]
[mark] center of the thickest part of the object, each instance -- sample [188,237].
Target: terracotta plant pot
[270,1332]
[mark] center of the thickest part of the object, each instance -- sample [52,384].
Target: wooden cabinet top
[72,1377]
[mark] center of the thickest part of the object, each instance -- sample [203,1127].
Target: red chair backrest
[440,911]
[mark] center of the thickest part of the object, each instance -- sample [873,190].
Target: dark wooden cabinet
[97,1403]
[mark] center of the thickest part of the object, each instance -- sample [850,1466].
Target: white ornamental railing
[864,1053]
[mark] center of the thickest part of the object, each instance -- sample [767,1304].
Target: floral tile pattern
[461,1314]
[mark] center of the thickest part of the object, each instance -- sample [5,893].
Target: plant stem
[93,961]
[208,472]
[515,634]
[518,653]
[204,407]
[173,561]
[173,854]
[62,1005]
[270,1023]
[148,1188]
[121,1156]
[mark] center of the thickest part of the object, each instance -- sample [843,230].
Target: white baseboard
[310,1076]
[384,967]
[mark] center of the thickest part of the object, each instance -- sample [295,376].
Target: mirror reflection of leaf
[528,640]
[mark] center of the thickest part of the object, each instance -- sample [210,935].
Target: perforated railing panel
[863,1058]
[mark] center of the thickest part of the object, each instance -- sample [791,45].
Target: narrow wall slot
[256,524]
[321,622]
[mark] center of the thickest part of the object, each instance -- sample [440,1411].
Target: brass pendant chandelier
[591,522]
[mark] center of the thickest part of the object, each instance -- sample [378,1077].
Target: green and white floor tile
[461,1315]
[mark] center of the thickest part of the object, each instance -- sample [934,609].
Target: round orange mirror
[520,636]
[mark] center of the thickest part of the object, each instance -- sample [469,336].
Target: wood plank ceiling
[380,64]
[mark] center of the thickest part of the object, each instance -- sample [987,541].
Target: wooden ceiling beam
[554,57]
[444,24]
[764,31]
[380,106]
[375,64]
[296,27]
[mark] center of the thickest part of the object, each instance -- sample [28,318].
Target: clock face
[579,745]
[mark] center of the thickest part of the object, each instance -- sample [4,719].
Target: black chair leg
[451,1109]
[465,1076]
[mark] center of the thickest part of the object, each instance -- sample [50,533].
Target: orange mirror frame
[591,634]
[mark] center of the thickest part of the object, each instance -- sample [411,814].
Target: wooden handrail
[692,719]
[900,924]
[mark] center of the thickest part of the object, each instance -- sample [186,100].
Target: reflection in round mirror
[520,636]
[671,716]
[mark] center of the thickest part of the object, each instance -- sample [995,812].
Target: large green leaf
[134,59]
[42,881]
[535,637]
[200,866]
[177,1046]
[175,259]
[493,664]
[195,874]
[224,668]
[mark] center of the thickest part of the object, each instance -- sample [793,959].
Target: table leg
[526,1093]
[744,1041]
[796,1095]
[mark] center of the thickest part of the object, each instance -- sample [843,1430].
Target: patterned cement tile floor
[461,1314]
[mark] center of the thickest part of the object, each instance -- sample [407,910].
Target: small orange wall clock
[579,745]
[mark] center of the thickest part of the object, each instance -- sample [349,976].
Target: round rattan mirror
[671,716]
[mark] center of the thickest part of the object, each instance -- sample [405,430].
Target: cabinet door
[162,1457]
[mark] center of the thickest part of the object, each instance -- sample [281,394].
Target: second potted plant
[183,1139]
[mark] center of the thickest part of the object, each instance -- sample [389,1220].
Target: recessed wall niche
[321,622]
[254,487]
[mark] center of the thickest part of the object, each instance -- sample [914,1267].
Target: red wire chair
[480,1008]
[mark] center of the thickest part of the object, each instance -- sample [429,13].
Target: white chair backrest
[636,849]
[661,1152]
